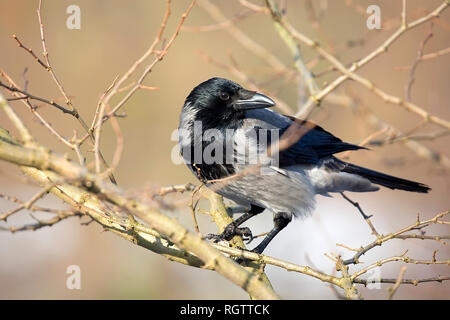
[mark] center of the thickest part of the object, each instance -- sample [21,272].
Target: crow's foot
[229,232]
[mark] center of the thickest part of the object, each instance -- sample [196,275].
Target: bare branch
[380,240]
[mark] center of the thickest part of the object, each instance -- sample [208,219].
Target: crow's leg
[233,228]
[280,221]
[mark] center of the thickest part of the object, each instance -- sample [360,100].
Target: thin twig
[68,101]
[349,73]
[36,113]
[149,68]
[365,217]
[176,188]
[27,95]
[413,282]
[416,63]
[28,204]
[392,290]
[30,51]
[382,239]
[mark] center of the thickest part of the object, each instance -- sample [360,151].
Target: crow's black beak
[252,100]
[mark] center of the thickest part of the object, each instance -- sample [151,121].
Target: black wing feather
[313,146]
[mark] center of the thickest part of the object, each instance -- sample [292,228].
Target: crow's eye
[224,96]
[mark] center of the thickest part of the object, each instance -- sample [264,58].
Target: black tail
[386,180]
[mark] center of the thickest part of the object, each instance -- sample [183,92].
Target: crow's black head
[218,101]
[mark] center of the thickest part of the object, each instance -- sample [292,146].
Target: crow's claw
[214,237]
[229,232]
[246,234]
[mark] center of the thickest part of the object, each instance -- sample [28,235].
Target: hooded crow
[241,149]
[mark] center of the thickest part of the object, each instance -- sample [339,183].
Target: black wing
[312,145]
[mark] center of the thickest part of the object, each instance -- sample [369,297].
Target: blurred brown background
[113,35]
